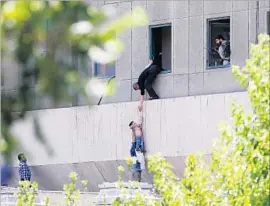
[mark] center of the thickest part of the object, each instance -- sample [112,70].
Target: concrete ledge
[53,177]
[56,197]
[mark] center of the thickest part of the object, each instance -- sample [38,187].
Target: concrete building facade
[195,95]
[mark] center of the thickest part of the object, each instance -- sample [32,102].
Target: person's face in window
[218,41]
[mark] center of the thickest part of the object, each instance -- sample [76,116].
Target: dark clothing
[137,176]
[147,78]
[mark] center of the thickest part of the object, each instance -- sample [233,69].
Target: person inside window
[223,49]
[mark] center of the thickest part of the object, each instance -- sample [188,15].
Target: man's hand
[140,107]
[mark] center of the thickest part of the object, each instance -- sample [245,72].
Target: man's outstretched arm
[141,103]
[141,82]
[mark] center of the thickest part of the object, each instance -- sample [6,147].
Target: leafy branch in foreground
[50,42]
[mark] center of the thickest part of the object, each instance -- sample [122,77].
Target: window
[268,22]
[219,51]
[161,42]
[104,70]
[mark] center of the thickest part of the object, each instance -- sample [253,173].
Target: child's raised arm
[141,124]
[141,118]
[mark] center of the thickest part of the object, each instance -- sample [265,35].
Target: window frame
[208,42]
[154,26]
[95,69]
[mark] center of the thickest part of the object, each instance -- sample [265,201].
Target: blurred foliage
[238,173]
[48,40]
[28,193]
[72,194]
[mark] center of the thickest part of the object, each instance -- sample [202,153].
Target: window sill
[218,67]
[166,71]
[104,78]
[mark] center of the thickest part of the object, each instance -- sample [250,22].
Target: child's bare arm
[133,136]
[142,137]
[141,119]
[141,124]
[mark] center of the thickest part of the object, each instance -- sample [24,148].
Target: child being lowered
[137,134]
[137,148]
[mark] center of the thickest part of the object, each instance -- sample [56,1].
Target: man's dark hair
[130,123]
[20,156]
[135,85]
[219,37]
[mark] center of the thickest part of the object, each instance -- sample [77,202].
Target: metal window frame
[208,41]
[95,73]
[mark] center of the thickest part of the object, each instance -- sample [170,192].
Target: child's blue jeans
[139,143]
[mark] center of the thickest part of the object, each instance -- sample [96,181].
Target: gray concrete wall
[95,141]
[173,127]
[189,75]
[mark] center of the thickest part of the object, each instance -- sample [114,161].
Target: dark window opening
[104,70]
[219,52]
[161,42]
